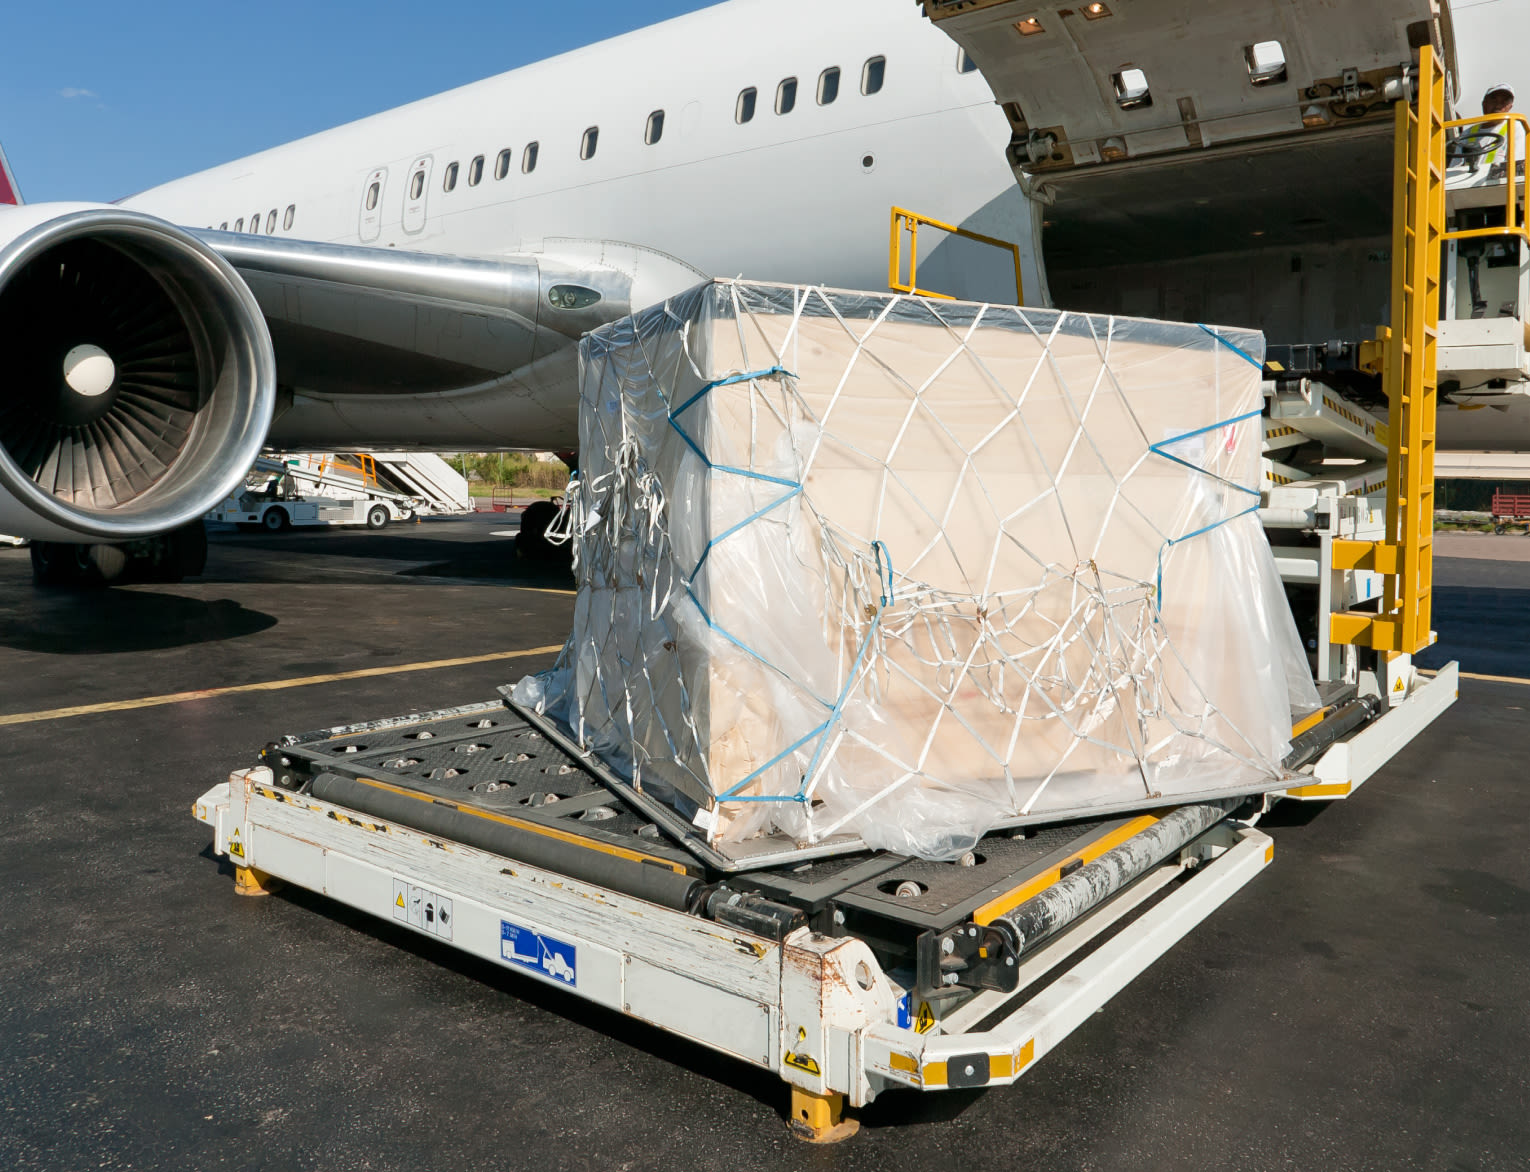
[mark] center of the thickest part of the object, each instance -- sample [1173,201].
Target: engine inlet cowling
[138,380]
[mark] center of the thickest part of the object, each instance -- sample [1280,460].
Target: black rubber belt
[648,881]
[1089,886]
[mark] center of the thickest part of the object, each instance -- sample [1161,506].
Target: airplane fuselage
[674,164]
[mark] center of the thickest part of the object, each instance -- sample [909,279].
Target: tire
[185,552]
[107,563]
[275,519]
[63,564]
[377,516]
[531,542]
[1498,529]
[55,563]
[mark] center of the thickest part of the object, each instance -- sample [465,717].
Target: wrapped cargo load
[905,570]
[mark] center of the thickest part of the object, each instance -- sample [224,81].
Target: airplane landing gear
[167,557]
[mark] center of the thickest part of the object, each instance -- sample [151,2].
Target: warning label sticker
[423,909]
[541,954]
[920,1021]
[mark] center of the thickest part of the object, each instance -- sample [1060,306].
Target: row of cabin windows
[475,169]
[873,75]
[287,217]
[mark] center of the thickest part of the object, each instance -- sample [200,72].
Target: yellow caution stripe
[1014,897]
[532,827]
[269,686]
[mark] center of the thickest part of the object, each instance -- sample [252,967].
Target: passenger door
[416,195]
[372,192]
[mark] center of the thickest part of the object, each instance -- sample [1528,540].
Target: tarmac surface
[1363,1004]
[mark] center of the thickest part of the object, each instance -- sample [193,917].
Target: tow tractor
[851,972]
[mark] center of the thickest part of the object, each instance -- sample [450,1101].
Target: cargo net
[875,598]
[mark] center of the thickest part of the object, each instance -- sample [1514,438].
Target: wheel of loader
[531,542]
[377,517]
[182,553]
[275,519]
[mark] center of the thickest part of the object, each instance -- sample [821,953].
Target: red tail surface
[9,192]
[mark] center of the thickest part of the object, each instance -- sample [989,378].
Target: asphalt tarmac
[1363,1004]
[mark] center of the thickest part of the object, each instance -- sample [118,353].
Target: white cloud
[75,92]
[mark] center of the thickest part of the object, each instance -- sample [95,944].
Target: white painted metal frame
[1349,764]
[816,1009]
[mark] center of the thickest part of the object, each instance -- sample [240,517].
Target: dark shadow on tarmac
[763,1086]
[894,1109]
[458,553]
[96,622]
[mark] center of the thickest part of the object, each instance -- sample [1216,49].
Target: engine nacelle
[137,379]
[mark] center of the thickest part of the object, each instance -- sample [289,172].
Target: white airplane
[420,278]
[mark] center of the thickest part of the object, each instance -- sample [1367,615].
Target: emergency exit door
[417,195]
[373,188]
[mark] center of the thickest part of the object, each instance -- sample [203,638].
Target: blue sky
[99,100]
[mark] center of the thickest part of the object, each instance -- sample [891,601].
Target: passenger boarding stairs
[417,482]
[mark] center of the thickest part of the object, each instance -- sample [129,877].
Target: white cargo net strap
[1113,617]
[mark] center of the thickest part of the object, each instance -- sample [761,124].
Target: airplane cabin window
[239,224]
[529,158]
[223,227]
[417,185]
[873,74]
[828,85]
[743,110]
[786,96]
[449,181]
[964,63]
[372,193]
[475,171]
[255,222]
[287,217]
[502,164]
[589,142]
[655,128]
[271,221]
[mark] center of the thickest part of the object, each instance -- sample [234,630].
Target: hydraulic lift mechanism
[854,973]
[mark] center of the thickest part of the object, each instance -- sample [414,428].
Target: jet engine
[137,379]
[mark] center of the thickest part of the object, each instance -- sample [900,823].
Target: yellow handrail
[905,220]
[1512,224]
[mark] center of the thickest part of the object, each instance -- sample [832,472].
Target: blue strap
[1221,423]
[824,731]
[1238,350]
[1173,541]
[881,553]
[1158,449]
[768,372]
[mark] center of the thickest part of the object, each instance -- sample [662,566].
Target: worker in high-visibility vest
[1483,144]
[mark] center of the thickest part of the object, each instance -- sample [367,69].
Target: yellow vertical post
[1411,375]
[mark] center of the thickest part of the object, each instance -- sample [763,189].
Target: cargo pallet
[847,975]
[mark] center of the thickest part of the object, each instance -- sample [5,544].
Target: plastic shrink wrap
[909,569]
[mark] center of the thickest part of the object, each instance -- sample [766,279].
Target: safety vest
[1493,132]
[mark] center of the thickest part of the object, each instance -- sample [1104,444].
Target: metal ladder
[1406,557]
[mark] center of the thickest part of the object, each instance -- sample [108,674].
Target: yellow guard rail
[905,221]
[1513,220]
